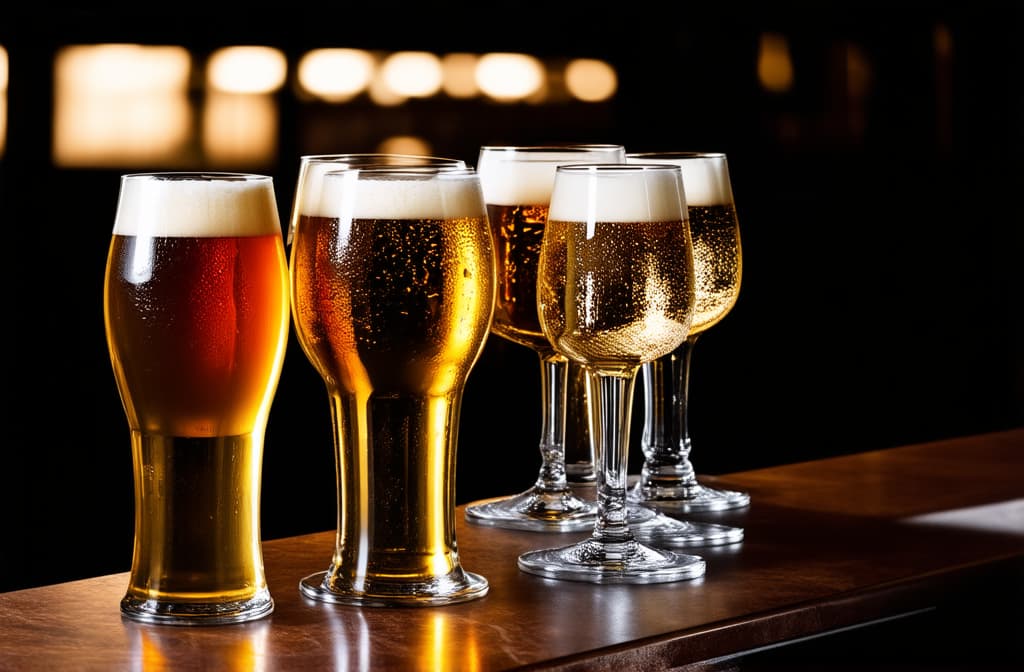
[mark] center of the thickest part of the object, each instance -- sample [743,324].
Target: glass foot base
[535,510]
[666,532]
[197,613]
[687,498]
[459,586]
[594,561]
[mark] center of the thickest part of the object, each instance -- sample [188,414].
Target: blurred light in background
[239,129]
[405,144]
[380,91]
[509,77]
[591,80]
[246,70]
[458,75]
[412,74]
[335,75]
[774,65]
[3,100]
[121,104]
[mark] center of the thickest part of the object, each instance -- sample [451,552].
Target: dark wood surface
[830,544]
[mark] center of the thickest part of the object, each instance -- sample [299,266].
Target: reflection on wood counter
[829,545]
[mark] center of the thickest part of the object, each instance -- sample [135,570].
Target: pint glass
[393,281]
[196,310]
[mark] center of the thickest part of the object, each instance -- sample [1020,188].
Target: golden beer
[633,307]
[392,307]
[196,309]
[717,262]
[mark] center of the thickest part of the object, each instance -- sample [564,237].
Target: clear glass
[517,183]
[196,317]
[615,289]
[392,298]
[667,480]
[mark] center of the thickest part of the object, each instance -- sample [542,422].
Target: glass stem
[610,398]
[666,436]
[553,381]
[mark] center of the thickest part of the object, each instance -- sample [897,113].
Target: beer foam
[620,194]
[705,178]
[518,178]
[401,194]
[313,171]
[196,205]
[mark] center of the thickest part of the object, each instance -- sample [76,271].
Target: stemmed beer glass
[616,289]
[392,297]
[517,183]
[668,480]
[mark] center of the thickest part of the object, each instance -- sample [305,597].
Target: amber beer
[196,308]
[392,298]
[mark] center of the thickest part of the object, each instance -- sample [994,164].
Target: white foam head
[705,175]
[196,204]
[525,175]
[618,193]
[401,193]
[314,167]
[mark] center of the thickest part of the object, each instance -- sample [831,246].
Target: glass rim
[197,176]
[570,146]
[441,170]
[675,155]
[584,168]
[334,158]
[547,154]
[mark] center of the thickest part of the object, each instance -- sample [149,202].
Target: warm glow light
[381,93]
[239,129]
[246,70]
[405,144]
[414,74]
[774,66]
[509,77]
[858,73]
[591,80]
[458,75]
[3,100]
[121,104]
[336,75]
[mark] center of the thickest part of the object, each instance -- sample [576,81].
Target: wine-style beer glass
[668,480]
[517,182]
[392,298]
[196,318]
[615,289]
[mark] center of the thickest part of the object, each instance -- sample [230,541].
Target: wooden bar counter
[830,546]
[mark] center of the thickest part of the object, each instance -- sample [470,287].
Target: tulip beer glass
[196,314]
[517,182]
[392,298]
[615,289]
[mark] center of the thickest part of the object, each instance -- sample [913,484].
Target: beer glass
[196,315]
[615,289]
[392,298]
[517,182]
[667,479]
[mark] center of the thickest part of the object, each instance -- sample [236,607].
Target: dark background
[881,297]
